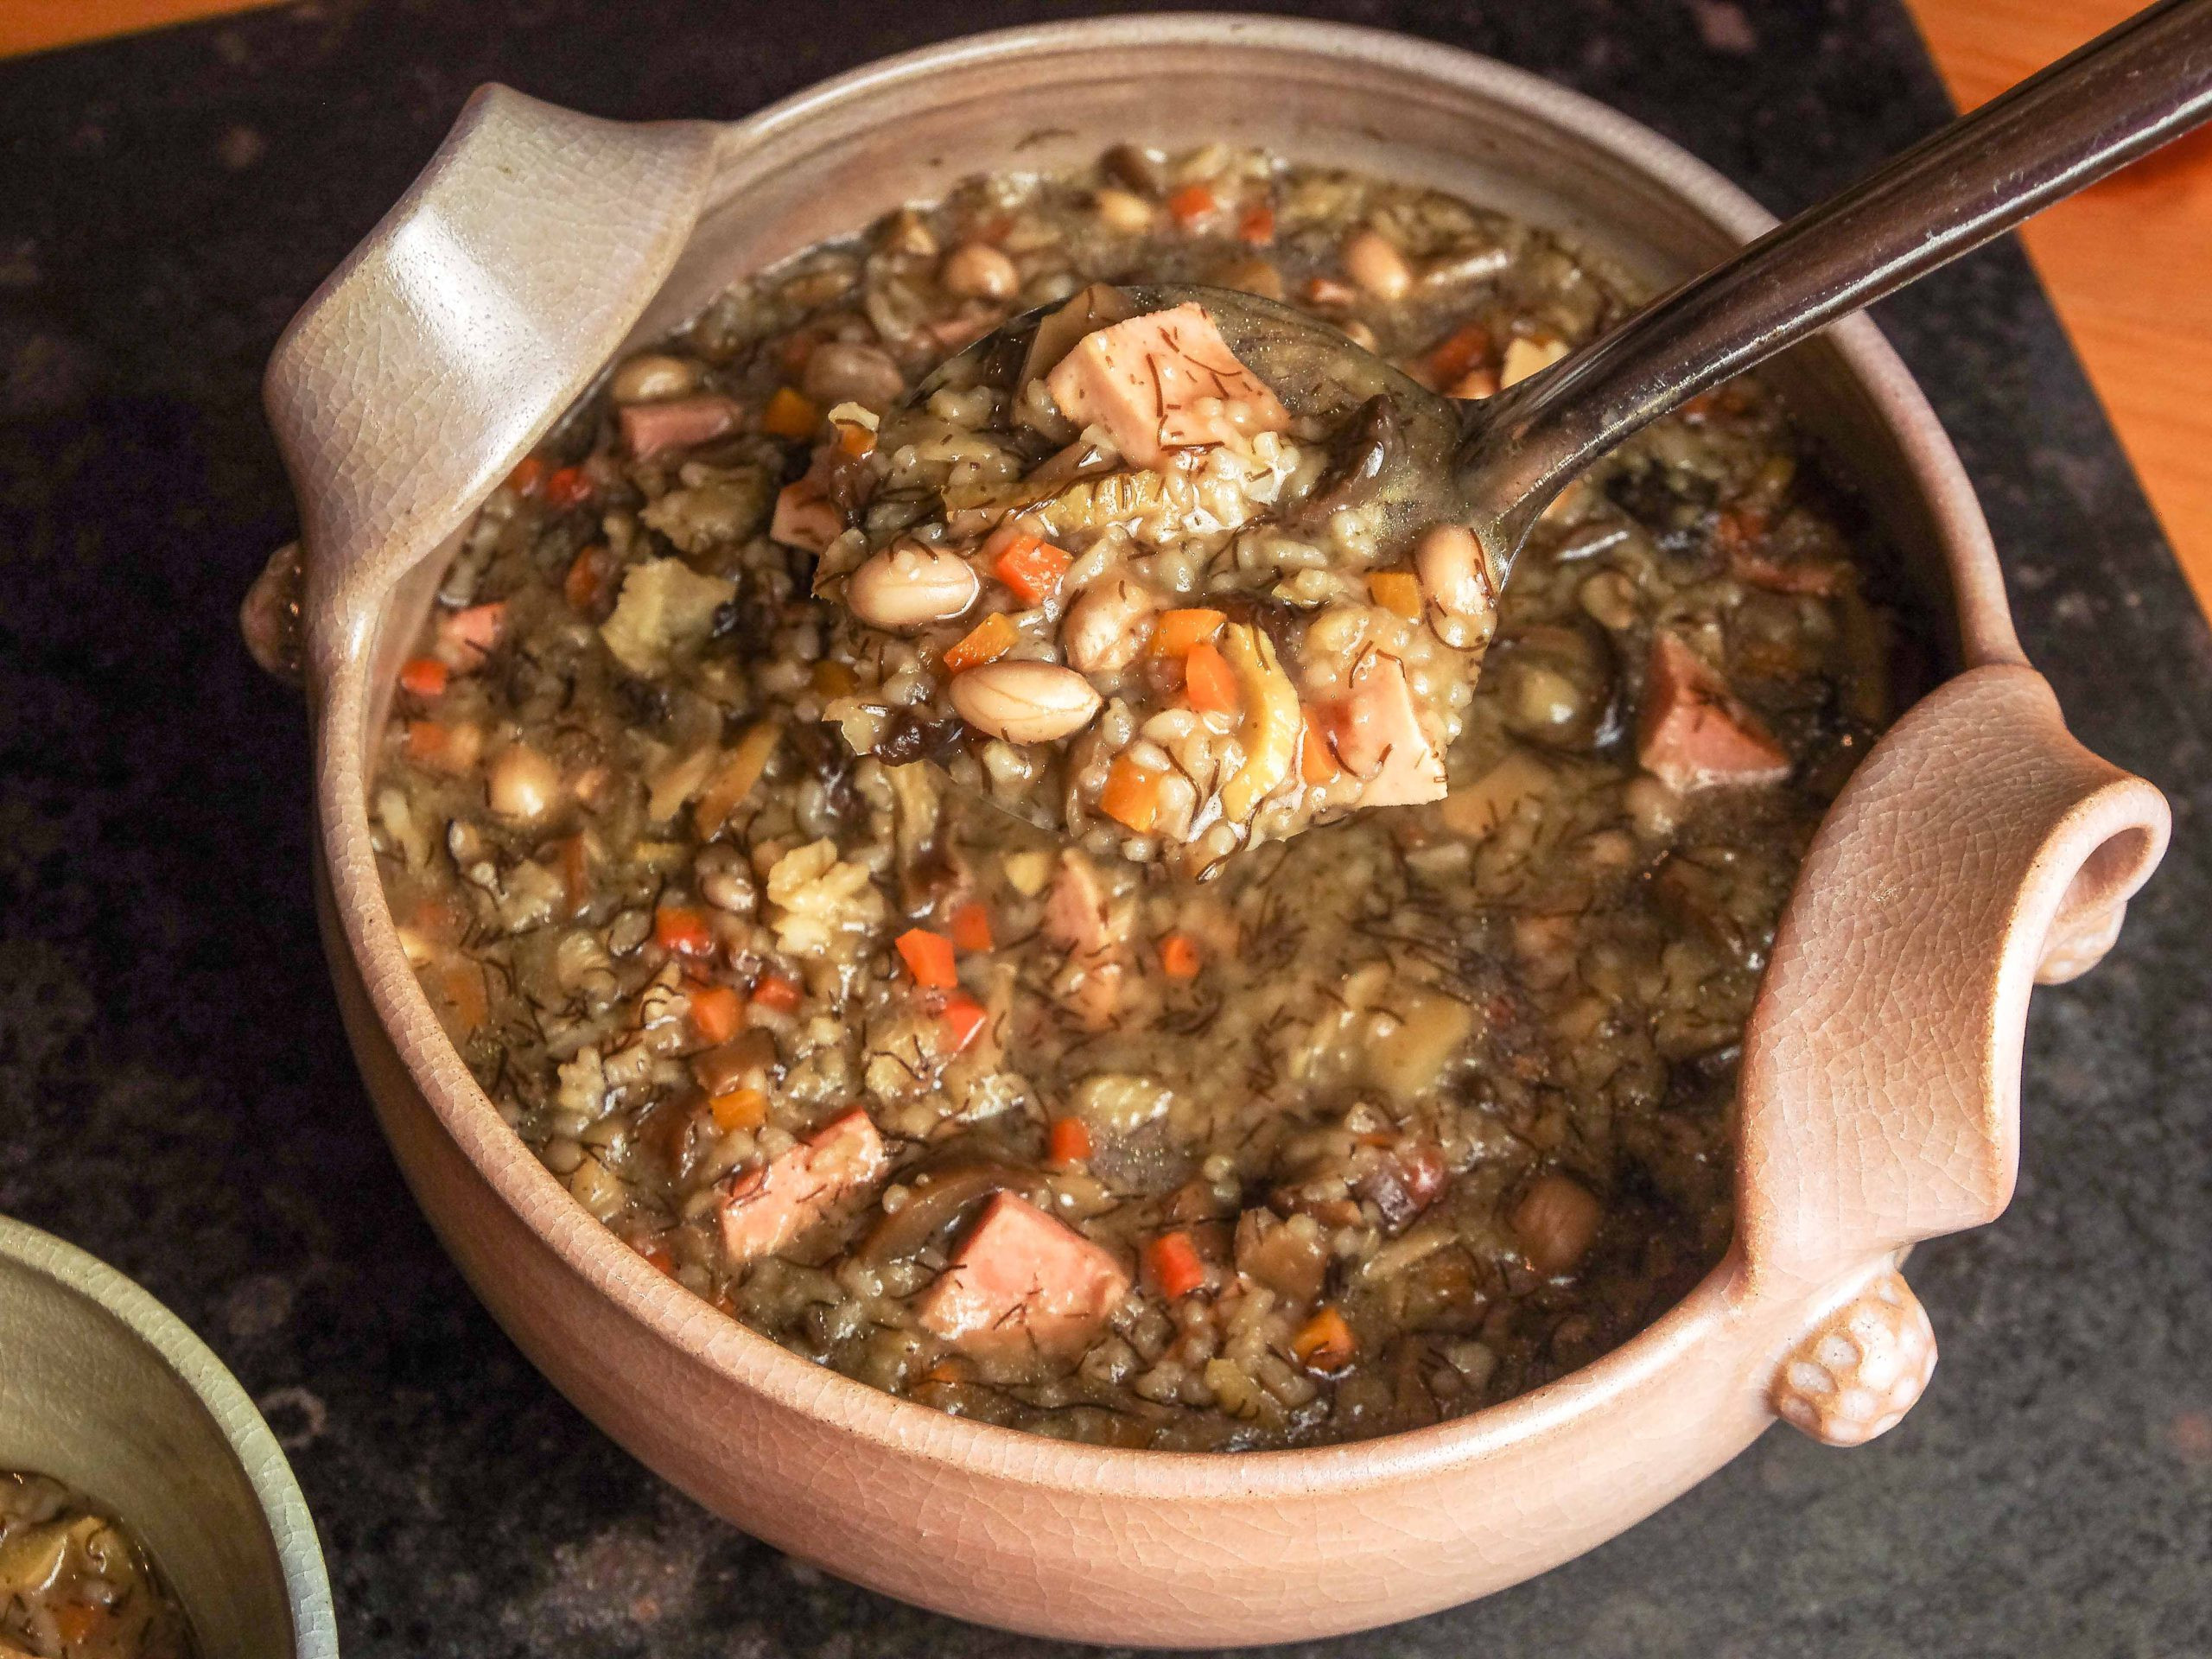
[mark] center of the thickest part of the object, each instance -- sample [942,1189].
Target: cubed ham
[1166,380]
[466,637]
[1077,914]
[1020,1283]
[678,423]
[806,516]
[767,1208]
[1380,738]
[1693,734]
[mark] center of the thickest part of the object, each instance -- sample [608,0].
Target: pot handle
[449,342]
[1978,851]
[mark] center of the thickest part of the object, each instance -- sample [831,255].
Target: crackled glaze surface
[1856,1373]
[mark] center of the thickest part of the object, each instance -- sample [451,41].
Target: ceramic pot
[1978,848]
[104,1389]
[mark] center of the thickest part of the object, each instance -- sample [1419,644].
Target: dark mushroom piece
[1559,685]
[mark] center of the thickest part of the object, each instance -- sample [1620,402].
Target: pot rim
[907,1428]
[253,1445]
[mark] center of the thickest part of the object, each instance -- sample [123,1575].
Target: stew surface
[75,1583]
[1376,1126]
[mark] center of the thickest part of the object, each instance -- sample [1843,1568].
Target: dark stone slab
[174,1092]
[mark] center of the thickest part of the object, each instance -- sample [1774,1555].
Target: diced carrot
[1207,681]
[1190,204]
[1030,565]
[1172,1260]
[790,415]
[1324,1343]
[741,1109]
[423,678]
[928,957]
[1176,631]
[989,640]
[1454,354]
[683,930]
[855,439]
[971,927]
[1069,1140]
[1179,956]
[1257,226]
[529,474]
[589,585]
[1317,763]
[656,1252]
[963,1019]
[718,1011]
[1396,591]
[1131,795]
[832,678]
[568,486]
[777,993]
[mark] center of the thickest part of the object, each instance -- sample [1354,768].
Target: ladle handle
[2123,95]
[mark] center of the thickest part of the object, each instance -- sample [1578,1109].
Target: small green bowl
[104,1388]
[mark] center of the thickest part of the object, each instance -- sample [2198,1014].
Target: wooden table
[2125,263]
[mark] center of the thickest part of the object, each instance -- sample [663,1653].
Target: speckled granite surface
[176,1094]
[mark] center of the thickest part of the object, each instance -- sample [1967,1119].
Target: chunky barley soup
[1369,1128]
[74,1584]
[1145,589]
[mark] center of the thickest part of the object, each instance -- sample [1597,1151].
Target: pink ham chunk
[1022,1282]
[466,637]
[679,423]
[1166,380]
[1693,734]
[806,516]
[1076,915]
[1381,739]
[767,1208]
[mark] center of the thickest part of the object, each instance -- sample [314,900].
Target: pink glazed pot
[1978,851]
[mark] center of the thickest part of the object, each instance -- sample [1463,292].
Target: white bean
[842,371]
[653,376]
[979,272]
[1376,265]
[909,585]
[1452,571]
[1124,211]
[1024,702]
[523,784]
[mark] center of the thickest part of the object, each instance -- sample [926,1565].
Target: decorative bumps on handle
[1856,1372]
